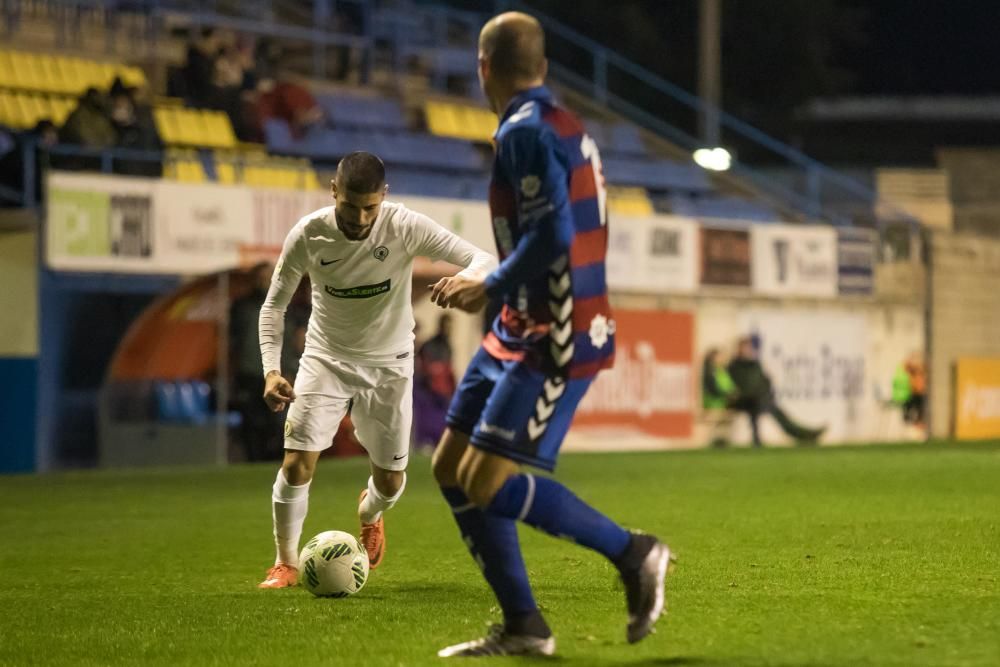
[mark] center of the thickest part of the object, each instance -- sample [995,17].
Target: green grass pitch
[883,555]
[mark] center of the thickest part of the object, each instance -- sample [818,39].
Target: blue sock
[492,541]
[548,505]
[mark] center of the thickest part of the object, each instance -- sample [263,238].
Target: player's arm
[437,243]
[278,391]
[530,161]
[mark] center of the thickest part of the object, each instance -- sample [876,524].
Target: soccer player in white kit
[359,346]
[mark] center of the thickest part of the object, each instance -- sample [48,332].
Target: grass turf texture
[841,556]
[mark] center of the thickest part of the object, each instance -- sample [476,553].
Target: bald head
[514,46]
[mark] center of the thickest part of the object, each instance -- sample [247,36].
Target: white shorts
[382,411]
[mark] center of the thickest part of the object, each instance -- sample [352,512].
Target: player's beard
[355,232]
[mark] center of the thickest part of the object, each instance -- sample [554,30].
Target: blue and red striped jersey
[548,205]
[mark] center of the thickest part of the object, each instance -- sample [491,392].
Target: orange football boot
[373,537]
[280,576]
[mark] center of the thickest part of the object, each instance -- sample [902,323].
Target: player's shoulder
[396,216]
[525,123]
[315,224]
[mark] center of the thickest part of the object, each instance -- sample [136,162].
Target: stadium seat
[460,121]
[364,112]
[656,174]
[625,139]
[194,127]
[629,201]
[399,148]
[183,166]
[716,206]
[62,75]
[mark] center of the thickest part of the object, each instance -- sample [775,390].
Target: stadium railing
[817,191]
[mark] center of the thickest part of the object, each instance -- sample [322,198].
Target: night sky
[813,47]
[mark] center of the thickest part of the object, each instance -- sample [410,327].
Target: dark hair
[361,172]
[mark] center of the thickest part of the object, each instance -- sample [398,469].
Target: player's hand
[278,392]
[462,292]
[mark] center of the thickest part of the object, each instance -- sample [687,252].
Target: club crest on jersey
[601,328]
[381,253]
[530,186]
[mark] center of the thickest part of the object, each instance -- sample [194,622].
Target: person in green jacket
[717,387]
[717,391]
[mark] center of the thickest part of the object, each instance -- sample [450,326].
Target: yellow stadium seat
[190,171]
[77,74]
[31,109]
[62,107]
[6,69]
[20,70]
[218,129]
[8,110]
[184,166]
[168,124]
[459,121]
[132,76]
[629,201]
[225,172]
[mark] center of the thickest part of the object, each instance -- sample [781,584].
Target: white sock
[375,502]
[289,505]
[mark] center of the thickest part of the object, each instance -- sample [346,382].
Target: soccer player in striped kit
[554,334]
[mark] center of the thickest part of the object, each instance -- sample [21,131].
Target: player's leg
[525,420]
[312,419]
[383,415]
[492,540]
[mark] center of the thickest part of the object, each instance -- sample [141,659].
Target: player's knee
[445,470]
[389,482]
[298,469]
[447,456]
[480,482]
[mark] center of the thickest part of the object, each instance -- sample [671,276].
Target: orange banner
[650,390]
[977,399]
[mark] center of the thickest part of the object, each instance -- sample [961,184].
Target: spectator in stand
[12,169]
[199,70]
[87,126]
[286,100]
[135,129]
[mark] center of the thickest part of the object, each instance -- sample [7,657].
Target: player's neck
[501,99]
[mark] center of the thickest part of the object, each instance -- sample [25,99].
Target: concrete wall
[965,302]
[18,349]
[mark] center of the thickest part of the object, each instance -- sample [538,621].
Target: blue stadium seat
[656,174]
[425,183]
[625,139]
[356,111]
[722,207]
[598,132]
[278,136]
[398,148]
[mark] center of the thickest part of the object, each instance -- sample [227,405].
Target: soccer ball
[333,564]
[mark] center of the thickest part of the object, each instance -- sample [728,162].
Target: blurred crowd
[245,78]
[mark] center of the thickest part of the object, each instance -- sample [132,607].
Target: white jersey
[362,309]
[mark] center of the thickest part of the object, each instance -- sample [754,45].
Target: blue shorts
[515,411]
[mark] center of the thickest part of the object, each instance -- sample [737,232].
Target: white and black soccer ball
[333,564]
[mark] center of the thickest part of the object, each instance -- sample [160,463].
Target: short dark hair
[361,172]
